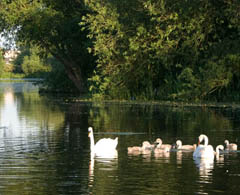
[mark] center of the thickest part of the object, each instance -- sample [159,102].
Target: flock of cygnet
[199,151]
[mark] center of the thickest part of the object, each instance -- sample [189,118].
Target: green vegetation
[144,50]
[10,75]
[27,64]
[52,26]
[178,50]
[55,81]
[1,63]
[30,64]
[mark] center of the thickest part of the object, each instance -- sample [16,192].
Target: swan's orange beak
[198,142]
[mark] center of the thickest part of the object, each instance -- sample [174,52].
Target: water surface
[44,146]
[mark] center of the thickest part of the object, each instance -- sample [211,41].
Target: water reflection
[27,137]
[205,166]
[161,154]
[104,167]
[18,112]
[179,155]
[8,112]
[219,159]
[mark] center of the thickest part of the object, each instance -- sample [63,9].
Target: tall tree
[53,26]
[165,49]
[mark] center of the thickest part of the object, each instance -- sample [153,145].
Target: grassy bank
[10,75]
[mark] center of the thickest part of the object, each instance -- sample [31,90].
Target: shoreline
[70,97]
[165,103]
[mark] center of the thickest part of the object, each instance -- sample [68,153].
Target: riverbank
[10,75]
[20,79]
[233,105]
[72,97]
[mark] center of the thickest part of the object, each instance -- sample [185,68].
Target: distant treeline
[135,49]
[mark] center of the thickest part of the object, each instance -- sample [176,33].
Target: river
[45,149]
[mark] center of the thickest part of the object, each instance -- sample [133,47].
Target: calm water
[44,147]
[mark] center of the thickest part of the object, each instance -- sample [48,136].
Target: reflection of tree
[30,107]
[40,110]
[161,121]
[29,117]
[43,151]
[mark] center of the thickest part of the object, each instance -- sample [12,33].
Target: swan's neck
[205,140]
[159,144]
[179,144]
[92,144]
[227,143]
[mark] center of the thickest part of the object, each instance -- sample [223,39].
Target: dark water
[44,147]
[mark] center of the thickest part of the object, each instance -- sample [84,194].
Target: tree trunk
[74,73]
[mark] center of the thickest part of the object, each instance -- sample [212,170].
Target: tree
[145,49]
[165,49]
[53,26]
[32,65]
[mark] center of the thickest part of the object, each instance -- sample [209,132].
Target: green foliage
[24,51]
[33,66]
[98,86]
[56,80]
[177,50]
[12,75]
[182,50]
[30,62]
[52,26]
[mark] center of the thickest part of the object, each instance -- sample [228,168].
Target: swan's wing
[106,148]
[210,148]
[108,154]
[106,144]
[198,152]
[204,152]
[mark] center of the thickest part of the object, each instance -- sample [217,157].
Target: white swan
[230,146]
[105,147]
[185,147]
[203,151]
